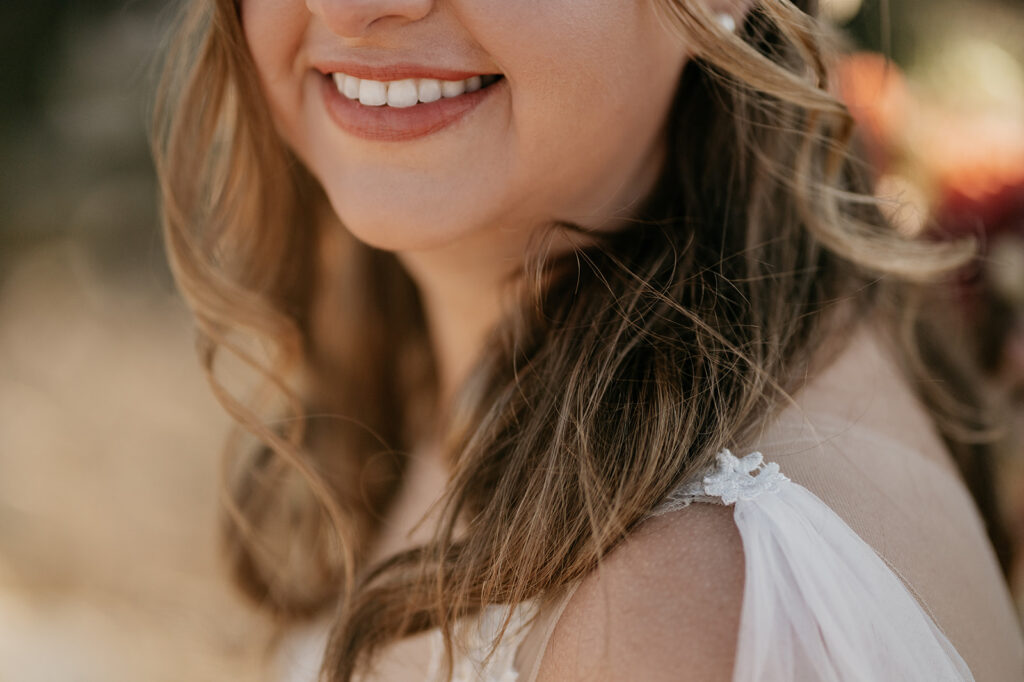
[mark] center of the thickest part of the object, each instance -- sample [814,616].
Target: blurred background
[109,439]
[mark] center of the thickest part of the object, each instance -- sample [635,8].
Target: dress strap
[818,602]
[730,478]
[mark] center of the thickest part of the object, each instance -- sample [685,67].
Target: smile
[407,92]
[404,107]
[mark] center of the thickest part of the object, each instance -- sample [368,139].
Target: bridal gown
[846,579]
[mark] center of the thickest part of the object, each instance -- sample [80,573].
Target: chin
[402,227]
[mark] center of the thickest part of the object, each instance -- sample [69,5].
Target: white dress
[818,602]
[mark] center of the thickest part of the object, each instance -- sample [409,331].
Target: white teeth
[429,90]
[453,88]
[351,89]
[407,92]
[347,85]
[402,94]
[373,93]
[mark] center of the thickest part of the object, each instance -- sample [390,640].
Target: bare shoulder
[665,605]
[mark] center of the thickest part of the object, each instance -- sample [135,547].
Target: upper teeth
[404,93]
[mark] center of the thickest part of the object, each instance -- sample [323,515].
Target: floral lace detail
[733,480]
[729,480]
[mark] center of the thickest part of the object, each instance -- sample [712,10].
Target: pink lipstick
[403,101]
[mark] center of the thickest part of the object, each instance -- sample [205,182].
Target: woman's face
[570,130]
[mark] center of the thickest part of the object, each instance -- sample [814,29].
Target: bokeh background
[109,440]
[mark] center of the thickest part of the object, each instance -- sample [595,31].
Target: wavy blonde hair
[620,371]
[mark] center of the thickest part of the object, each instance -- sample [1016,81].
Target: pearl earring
[726,21]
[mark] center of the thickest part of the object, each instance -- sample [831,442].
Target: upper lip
[394,72]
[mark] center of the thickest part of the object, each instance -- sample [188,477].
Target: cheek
[274,31]
[591,84]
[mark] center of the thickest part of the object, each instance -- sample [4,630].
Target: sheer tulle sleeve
[818,603]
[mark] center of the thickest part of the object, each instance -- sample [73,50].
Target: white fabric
[819,603]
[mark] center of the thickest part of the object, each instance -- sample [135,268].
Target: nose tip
[353,18]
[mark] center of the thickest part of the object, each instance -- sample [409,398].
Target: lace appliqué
[730,479]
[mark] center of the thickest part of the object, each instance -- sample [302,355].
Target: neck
[464,287]
[461,289]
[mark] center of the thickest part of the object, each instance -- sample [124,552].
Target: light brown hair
[617,372]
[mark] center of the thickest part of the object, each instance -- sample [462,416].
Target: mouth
[402,103]
[407,92]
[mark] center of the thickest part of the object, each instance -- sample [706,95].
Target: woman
[518,274]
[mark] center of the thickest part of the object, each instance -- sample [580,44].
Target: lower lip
[393,124]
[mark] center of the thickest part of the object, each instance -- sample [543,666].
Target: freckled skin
[574,135]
